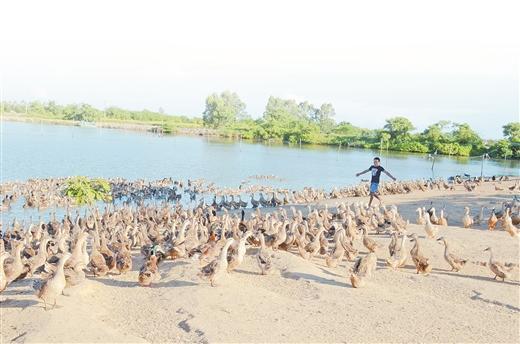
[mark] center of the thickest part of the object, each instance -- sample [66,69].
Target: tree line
[286,120]
[88,113]
[289,121]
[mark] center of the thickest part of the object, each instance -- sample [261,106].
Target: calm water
[34,150]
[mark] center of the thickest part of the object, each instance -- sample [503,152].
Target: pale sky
[453,60]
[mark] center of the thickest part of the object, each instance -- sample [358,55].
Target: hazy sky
[454,60]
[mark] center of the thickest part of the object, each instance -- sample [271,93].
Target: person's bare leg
[379,199]
[371,198]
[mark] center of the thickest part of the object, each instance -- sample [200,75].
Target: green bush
[87,191]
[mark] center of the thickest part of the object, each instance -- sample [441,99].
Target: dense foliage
[286,120]
[88,113]
[87,191]
[223,109]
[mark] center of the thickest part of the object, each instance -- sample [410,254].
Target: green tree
[512,131]
[464,135]
[435,133]
[54,109]
[501,149]
[280,116]
[116,113]
[307,111]
[223,109]
[36,107]
[385,138]
[325,117]
[398,127]
[468,140]
[82,112]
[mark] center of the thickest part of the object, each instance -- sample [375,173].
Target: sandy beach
[300,301]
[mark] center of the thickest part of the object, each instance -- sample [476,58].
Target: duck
[110,257]
[3,277]
[254,202]
[177,248]
[398,259]
[97,263]
[455,262]
[49,289]
[123,259]
[467,220]
[351,229]
[392,246]
[368,242]
[497,268]
[41,257]
[149,272]
[263,258]
[421,262]
[335,257]
[515,218]
[218,267]
[350,251]
[311,249]
[433,217]
[290,238]
[242,203]
[235,259]
[324,244]
[15,269]
[280,236]
[207,251]
[492,221]
[477,219]
[507,223]
[78,252]
[363,269]
[443,221]
[74,275]
[429,228]
[420,216]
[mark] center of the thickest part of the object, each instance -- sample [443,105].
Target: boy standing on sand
[376,169]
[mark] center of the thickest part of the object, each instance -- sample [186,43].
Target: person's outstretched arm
[388,174]
[362,172]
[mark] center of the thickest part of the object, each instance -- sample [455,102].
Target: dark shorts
[374,187]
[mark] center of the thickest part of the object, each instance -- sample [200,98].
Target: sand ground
[300,301]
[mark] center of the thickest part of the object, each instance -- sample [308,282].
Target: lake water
[35,150]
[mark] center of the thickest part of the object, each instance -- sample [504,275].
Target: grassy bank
[148,126]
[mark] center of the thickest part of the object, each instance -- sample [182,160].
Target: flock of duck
[63,252]
[47,193]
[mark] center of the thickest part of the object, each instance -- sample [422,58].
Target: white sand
[301,301]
